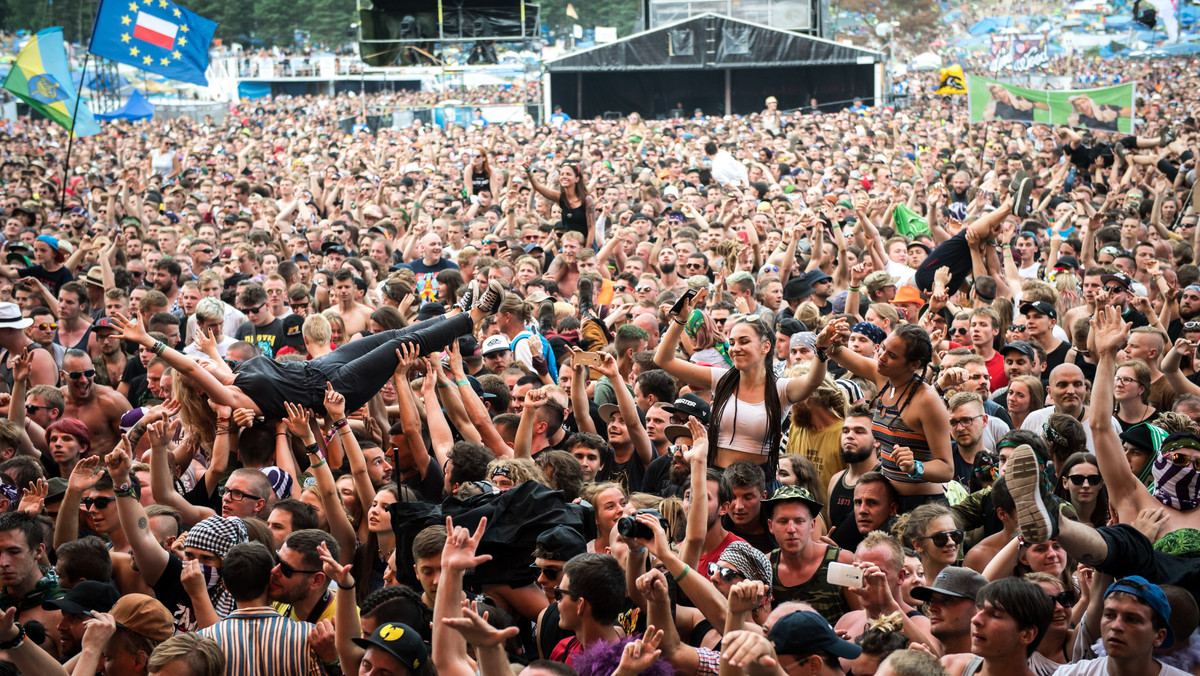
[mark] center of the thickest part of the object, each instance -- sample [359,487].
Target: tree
[916,20]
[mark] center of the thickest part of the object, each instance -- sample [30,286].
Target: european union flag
[154,35]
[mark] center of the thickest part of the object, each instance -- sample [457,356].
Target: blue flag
[155,35]
[40,77]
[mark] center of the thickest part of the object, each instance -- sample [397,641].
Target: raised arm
[162,481]
[629,411]
[298,424]
[1108,335]
[696,376]
[149,555]
[83,477]
[476,411]
[579,398]
[697,528]
[346,625]
[449,647]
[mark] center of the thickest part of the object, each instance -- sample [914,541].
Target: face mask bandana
[212,576]
[1177,486]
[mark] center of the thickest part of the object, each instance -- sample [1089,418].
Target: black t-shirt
[631,474]
[763,541]
[51,280]
[268,338]
[430,487]
[1058,356]
[657,480]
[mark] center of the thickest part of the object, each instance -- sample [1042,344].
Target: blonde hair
[317,330]
[519,469]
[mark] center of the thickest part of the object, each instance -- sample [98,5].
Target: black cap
[1067,263]
[85,597]
[1120,278]
[561,543]
[398,640]
[789,326]
[691,405]
[1022,347]
[468,346]
[804,633]
[797,288]
[1041,307]
[429,311]
[293,331]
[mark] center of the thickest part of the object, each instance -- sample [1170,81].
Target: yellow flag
[952,81]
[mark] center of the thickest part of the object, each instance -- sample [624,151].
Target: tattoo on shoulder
[142,523]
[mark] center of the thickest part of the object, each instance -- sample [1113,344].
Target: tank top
[825,598]
[973,666]
[81,345]
[574,218]
[480,182]
[890,431]
[162,164]
[841,501]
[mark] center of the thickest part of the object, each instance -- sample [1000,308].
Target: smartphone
[686,297]
[844,575]
[589,359]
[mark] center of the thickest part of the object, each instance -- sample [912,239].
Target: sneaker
[490,301]
[1018,176]
[1120,150]
[1021,194]
[470,291]
[1166,136]
[1036,519]
[546,316]
[585,296]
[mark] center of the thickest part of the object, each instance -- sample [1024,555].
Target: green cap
[793,494]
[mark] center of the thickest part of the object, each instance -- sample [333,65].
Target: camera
[628,526]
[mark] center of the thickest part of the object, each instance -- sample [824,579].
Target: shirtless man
[564,269]
[356,315]
[99,407]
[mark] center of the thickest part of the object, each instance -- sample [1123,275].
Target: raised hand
[475,628]
[130,327]
[333,570]
[205,342]
[535,398]
[746,595]
[297,420]
[832,333]
[335,403]
[640,654]
[157,433]
[120,460]
[22,365]
[244,417]
[608,367]
[699,449]
[407,354]
[33,499]
[84,476]
[459,552]
[98,630]
[1109,331]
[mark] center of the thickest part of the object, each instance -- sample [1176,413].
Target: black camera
[628,526]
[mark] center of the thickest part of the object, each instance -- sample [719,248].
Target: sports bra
[744,425]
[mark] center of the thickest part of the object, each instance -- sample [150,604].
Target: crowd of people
[859,392]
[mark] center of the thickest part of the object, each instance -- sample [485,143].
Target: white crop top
[744,425]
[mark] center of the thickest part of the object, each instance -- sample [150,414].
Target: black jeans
[1130,553]
[361,368]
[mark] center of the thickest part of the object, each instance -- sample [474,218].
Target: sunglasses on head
[1090,479]
[76,375]
[727,574]
[943,538]
[287,571]
[1182,459]
[98,503]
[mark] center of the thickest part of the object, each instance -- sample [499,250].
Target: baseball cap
[494,344]
[1040,307]
[561,543]
[145,616]
[1119,277]
[673,432]
[879,279]
[429,311]
[468,346]
[807,633]
[1020,346]
[85,597]
[790,326]
[690,405]
[398,640]
[607,411]
[293,331]
[1152,594]
[792,493]
[962,583]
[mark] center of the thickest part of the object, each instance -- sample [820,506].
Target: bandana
[9,492]
[749,562]
[1175,486]
[217,534]
[281,481]
[874,333]
[1184,542]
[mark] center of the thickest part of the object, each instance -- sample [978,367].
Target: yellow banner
[952,81]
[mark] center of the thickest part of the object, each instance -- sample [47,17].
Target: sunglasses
[694,266]
[1016,327]
[1115,289]
[551,572]
[298,306]
[957,331]
[204,251]
[943,538]
[45,327]
[559,592]
[98,503]
[1064,598]
[644,289]
[727,574]
[251,310]
[1191,326]
[30,409]
[1090,479]
[76,375]
[673,449]
[287,571]
[1182,459]
[274,292]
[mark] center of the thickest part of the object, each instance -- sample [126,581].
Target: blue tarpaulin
[136,108]
[253,90]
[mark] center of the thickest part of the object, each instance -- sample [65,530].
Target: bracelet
[510,211]
[441,385]
[339,424]
[637,551]
[676,320]
[683,573]
[352,585]
[313,449]
[159,348]
[317,464]
[462,382]
[125,493]
[17,640]
[854,289]
[822,354]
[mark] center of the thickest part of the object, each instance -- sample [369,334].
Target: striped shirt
[260,642]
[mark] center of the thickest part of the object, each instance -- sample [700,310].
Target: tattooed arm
[150,557]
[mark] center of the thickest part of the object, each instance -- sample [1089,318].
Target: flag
[154,35]
[571,12]
[1166,14]
[40,77]
[951,81]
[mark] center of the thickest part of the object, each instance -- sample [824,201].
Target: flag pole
[62,200]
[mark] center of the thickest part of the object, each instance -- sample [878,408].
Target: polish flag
[154,30]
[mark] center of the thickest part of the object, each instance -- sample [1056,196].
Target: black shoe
[1037,519]
[1021,194]
[1166,136]
[468,296]
[546,315]
[585,296]
[490,301]
[1018,176]
[1120,150]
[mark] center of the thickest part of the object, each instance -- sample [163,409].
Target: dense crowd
[858,392]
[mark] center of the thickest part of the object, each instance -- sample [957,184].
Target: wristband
[17,640]
[127,493]
[339,424]
[330,435]
[317,464]
[822,354]
[313,449]
[683,573]
[441,385]
[352,585]
[462,382]
[637,551]
[679,322]
[158,348]
[854,289]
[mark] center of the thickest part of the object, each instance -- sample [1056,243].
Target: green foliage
[623,14]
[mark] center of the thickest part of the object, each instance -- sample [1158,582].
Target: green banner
[1104,109]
